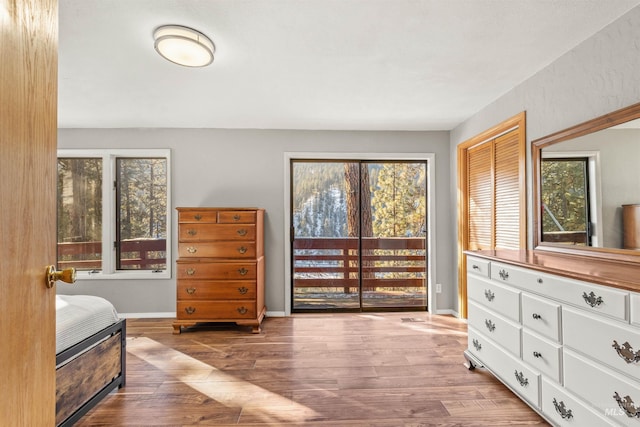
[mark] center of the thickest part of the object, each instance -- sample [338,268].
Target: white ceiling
[311,64]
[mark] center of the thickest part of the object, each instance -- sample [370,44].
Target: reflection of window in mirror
[569,196]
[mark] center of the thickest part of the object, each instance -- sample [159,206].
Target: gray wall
[600,75]
[212,167]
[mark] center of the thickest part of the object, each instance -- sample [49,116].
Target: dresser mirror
[587,187]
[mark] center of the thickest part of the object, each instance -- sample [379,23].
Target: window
[113,213]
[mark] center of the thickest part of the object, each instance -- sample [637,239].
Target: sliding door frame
[429,158]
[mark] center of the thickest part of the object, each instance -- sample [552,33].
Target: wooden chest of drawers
[220,269]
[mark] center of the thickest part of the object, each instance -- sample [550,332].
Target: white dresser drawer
[564,409]
[635,308]
[595,298]
[501,330]
[613,343]
[511,370]
[602,388]
[478,266]
[501,299]
[542,355]
[542,316]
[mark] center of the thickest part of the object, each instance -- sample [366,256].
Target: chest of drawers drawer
[541,316]
[610,342]
[207,232]
[478,266]
[541,354]
[217,250]
[595,298]
[615,396]
[216,310]
[217,270]
[499,329]
[563,408]
[216,290]
[500,299]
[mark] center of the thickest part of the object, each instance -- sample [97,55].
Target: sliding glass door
[359,235]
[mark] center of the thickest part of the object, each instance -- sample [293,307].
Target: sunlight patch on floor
[222,387]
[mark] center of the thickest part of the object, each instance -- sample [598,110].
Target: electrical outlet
[438,288]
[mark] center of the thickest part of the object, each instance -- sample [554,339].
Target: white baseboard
[448,311]
[146,315]
[275,314]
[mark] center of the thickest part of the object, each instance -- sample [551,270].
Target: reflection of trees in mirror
[565,210]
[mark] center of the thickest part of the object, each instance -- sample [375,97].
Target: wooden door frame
[517,122]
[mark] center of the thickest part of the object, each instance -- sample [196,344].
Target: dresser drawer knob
[242,232]
[562,410]
[242,250]
[591,299]
[504,274]
[192,232]
[540,281]
[489,295]
[191,291]
[477,345]
[242,310]
[521,379]
[191,271]
[537,354]
[243,271]
[192,249]
[476,267]
[243,290]
[490,325]
[236,217]
[537,316]
[190,310]
[197,217]
[627,405]
[625,351]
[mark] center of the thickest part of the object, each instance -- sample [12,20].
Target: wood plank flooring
[362,369]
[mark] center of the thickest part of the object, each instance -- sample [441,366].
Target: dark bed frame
[89,371]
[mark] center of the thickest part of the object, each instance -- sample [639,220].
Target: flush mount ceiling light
[183,46]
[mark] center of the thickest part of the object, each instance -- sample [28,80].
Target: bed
[90,354]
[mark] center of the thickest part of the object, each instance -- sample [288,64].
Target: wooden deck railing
[139,254]
[333,262]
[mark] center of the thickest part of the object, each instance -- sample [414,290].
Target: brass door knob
[68,275]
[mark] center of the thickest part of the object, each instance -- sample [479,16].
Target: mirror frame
[599,123]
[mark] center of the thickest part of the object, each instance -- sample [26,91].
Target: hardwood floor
[364,369]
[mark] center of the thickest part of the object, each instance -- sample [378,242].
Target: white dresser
[561,340]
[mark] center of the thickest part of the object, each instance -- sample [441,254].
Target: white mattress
[80,316]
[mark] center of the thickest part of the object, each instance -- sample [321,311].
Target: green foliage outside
[564,195]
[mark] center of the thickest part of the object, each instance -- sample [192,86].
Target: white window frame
[109,205]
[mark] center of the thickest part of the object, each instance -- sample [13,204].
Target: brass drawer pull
[192,232]
[504,274]
[191,291]
[560,409]
[236,217]
[243,290]
[192,249]
[477,345]
[243,271]
[191,271]
[521,379]
[242,232]
[242,310]
[197,217]
[627,406]
[242,250]
[591,299]
[489,295]
[190,310]
[490,325]
[625,351]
